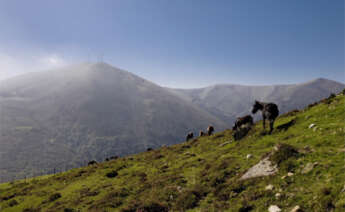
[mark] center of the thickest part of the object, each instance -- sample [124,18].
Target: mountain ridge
[230,101]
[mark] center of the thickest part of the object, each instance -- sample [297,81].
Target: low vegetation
[204,174]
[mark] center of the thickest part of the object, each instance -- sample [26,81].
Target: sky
[178,43]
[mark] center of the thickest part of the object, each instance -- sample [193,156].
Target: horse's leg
[263,122]
[271,125]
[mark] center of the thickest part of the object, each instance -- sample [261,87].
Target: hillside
[204,174]
[230,101]
[62,118]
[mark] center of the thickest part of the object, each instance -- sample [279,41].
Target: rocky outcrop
[264,168]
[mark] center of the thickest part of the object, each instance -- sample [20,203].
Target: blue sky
[179,43]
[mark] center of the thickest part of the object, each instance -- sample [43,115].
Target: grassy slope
[201,175]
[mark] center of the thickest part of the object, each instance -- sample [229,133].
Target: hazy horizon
[206,86]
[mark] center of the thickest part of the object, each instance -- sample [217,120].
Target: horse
[189,136]
[248,119]
[269,111]
[93,162]
[201,133]
[210,130]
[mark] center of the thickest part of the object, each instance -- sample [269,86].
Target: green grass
[203,175]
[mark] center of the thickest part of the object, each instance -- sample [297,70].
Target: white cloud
[11,65]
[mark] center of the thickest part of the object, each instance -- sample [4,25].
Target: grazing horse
[248,119]
[189,136]
[93,162]
[210,130]
[269,111]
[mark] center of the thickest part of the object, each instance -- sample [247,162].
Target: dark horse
[243,121]
[269,111]
[189,136]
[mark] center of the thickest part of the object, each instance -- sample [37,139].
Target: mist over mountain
[63,118]
[230,101]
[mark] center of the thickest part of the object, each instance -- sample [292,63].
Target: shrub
[31,210]
[9,197]
[112,174]
[187,200]
[283,152]
[326,191]
[288,166]
[69,210]
[331,96]
[191,197]
[153,207]
[325,204]
[246,208]
[13,203]
[54,197]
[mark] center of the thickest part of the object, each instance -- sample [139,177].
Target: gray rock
[297,208]
[309,167]
[290,174]
[225,143]
[264,168]
[274,208]
[269,187]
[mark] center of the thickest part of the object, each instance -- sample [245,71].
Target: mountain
[230,101]
[305,154]
[60,119]
[56,120]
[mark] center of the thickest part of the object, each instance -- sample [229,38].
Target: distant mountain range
[60,119]
[230,101]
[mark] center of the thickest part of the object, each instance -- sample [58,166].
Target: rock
[309,167]
[179,189]
[223,144]
[311,126]
[278,195]
[264,168]
[269,187]
[291,195]
[189,154]
[306,150]
[289,174]
[249,156]
[274,208]
[297,208]
[283,177]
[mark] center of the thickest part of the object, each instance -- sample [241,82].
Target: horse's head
[257,106]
